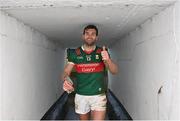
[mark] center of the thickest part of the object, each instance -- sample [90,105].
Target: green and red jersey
[90,70]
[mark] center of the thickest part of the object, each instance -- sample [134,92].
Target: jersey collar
[84,48]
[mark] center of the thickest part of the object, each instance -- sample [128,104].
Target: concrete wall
[148,83]
[29,71]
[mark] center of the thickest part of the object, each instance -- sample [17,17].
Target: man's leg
[98,107]
[98,115]
[82,107]
[84,116]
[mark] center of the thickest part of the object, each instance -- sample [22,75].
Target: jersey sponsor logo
[90,67]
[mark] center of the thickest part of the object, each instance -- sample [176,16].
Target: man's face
[90,37]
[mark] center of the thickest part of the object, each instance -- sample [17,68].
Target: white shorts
[84,104]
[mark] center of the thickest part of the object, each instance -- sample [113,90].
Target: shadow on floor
[63,109]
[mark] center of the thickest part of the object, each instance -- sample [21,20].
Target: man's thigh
[96,103]
[81,104]
[98,115]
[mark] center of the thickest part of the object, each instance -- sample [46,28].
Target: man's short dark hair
[91,27]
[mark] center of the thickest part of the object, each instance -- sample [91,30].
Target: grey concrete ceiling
[63,20]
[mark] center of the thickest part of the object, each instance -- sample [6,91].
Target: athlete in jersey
[90,70]
[89,61]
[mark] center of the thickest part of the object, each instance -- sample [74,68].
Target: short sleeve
[70,55]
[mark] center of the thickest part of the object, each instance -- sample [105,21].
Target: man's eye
[87,34]
[92,34]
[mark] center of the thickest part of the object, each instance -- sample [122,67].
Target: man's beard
[90,44]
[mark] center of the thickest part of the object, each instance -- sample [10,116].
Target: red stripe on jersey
[90,67]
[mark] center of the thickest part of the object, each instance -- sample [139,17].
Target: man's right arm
[68,69]
[67,86]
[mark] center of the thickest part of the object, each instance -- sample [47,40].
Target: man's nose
[90,35]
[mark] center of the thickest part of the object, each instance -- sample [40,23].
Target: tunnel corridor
[142,36]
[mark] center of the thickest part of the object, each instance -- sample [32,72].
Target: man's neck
[89,48]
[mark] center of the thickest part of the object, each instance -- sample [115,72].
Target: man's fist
[68,86]
[104,54]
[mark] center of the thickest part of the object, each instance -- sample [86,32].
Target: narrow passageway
[142,37]
[64,109]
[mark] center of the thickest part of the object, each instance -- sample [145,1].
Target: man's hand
[112,67]
[104,54]
[68,86]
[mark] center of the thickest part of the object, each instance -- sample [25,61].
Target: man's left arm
[113,68]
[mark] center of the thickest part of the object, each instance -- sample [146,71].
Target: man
[90,62]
